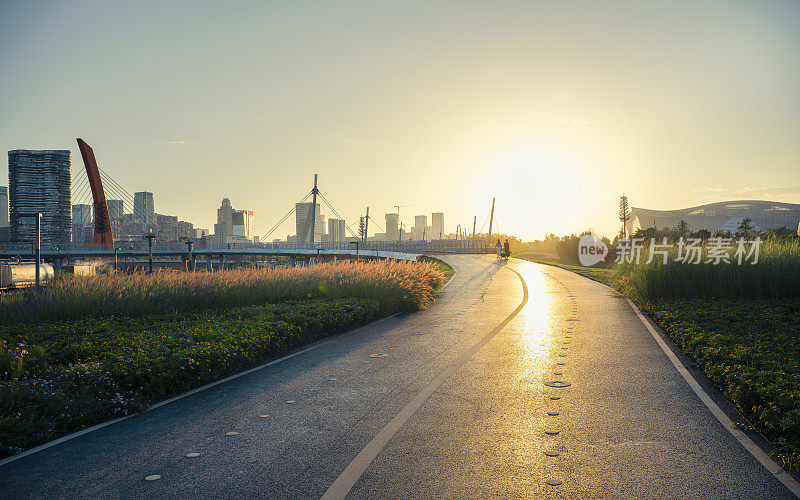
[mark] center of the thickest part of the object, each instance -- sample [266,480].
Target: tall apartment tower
[144,211]
[393,226]
[336,230]
[437,226]
[303,213]
[3,206]
[39,181]
[420,226]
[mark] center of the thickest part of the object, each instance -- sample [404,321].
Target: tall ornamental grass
[775,275]
[396,285]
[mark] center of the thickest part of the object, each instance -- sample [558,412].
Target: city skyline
[700,108]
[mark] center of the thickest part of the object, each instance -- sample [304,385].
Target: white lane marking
[187,394]
[351,474]
[764,459]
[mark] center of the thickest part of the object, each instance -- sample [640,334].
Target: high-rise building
[233,225]
[224,218]
[303,213]
[82,215]
[392,226]
[437,226]
[144,210]
[167,227]
[3,206]
[185,229]
[39,182]
[82,229]
[242,224]
[4,229]
[336,230]
[419,232]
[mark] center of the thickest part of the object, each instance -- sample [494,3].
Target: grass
[66,365]
[395,284]
[441,265]
[775,275]
[603,275]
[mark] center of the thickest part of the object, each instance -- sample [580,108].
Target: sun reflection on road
[536,320]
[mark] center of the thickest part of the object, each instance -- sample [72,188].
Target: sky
[554,108]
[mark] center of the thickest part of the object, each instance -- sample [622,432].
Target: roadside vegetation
[739,322]
[395,284]
[441,265]
[66,365]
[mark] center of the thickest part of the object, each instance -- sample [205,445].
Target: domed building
[722,216]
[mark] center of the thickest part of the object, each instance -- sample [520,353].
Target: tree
[682,229]
[745,227]
[624,213]
[361,227]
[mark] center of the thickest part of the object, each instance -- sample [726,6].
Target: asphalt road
[531,385]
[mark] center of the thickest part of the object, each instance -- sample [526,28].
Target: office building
[303,214]
[144,211]
[419,231]
[233,225]
[82,227]
[392,226]
[82,215]
[722,216]
[336,230]
[242,224]
[3,206]
[437,226]
[185,230]
[167,227]
[39,182]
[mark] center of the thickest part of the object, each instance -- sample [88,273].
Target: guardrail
[180,248]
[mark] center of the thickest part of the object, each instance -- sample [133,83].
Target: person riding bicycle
[506,250]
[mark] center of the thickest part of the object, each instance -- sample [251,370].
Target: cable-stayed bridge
[97,188]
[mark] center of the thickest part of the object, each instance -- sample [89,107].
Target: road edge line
[348,478]
[768,463]
[165,402]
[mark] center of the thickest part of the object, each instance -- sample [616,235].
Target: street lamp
[150,237]
[37,245]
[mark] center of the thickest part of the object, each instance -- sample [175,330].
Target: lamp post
[189,244]
[150,238]
[38,247]
[37,243]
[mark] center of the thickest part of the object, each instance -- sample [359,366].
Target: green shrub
[87,371]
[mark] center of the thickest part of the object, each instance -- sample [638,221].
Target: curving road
[523,381]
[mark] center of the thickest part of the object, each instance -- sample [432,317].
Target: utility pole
[314,192]
[400,233]
[474,222]
[366,225]
[491,219]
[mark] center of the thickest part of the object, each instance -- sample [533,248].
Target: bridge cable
[283,219]
[349,228]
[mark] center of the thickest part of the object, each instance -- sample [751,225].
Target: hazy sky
[554,107]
